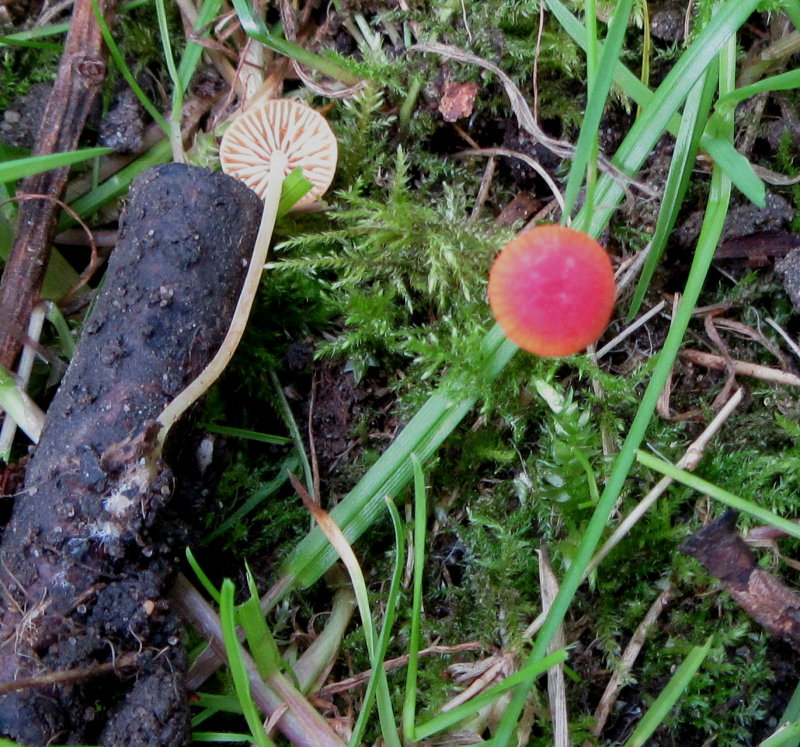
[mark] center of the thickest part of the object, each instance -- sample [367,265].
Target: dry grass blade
[689,461]
[556,689]
[741,368]
[532,162]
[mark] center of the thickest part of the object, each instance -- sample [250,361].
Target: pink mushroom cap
[552,290]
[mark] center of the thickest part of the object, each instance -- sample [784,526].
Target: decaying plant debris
[763,596]
[96,528]
[82,71]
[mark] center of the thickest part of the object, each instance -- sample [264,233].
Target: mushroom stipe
[261,148]
[552,290]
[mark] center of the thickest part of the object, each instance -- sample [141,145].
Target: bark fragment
[761,595]
[93,536]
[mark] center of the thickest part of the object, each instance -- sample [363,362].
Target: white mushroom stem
[241,314]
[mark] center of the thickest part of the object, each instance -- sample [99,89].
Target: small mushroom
[552,290]
[261,148]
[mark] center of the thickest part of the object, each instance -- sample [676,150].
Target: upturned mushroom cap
[552,290]
[300,133]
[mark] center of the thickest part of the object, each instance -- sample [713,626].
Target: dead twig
[556,688]
[70,675]
[764,597]
[391,664]
[740,368]
[80,74]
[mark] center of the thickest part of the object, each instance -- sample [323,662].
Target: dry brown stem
[69,675]
[80,74]
[742,368]
[556,687]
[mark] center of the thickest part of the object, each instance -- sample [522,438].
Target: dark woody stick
[80,75]
[761,595]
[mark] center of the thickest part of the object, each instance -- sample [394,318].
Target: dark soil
[92,543]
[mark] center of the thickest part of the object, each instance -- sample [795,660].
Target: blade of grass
[21,38]
[219,736]
[65,338]
[174,131]
[423,435]
[792,9]
[124,70]
[294,187]
[264,438]
[211,705]
[204,580]
[217,702]
[344,550]
[191,55]
[687,142]
[783,82]
[237,666]
[262,644]
[669,695]
[388,622]
[717,493]
[313,666]
[717,209]
[22,167]
[257,498]
[20,407]
[592,142]
[735,164]
[118,184]
[791,716]
[736,167]
[598,86]
[745,180]
[787,735]
[669,96]
[291,426]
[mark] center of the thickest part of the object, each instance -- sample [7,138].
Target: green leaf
[238,668]
[598,93]
[684,153]
[22,167]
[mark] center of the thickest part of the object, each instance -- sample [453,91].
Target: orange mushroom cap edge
[552,290]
